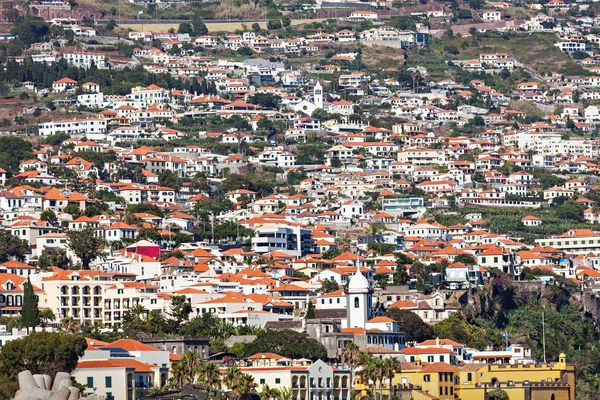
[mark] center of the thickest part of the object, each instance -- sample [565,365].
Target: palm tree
[224,329]
[232,378]
[595,210]
[378,374]
[350,356]
[210,376]
[138,310]
[364,362]
[70,326]
[391,366]
[246,385]
[284,393]
[268,393]
[47,316]
[178,379]
[190,364]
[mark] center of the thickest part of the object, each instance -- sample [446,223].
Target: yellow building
[549,381]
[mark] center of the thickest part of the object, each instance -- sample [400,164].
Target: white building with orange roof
[11,293]
[77,294]
[63,84]
[530,220]
[574,241]
[123,369]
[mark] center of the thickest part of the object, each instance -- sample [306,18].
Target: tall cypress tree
[30,315]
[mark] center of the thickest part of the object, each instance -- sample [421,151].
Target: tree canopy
[287,343]
[12,247]
[41,353]
[409,322]
[86,245]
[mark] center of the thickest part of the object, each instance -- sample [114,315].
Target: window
[90,382]
[108,381]
[262,381]
[119,291]
[277,380]
[356,302]
[426,378]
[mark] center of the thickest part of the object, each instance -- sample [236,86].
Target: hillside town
[328,201]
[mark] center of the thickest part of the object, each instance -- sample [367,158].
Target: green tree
[85,245]
[416,330]
[287,343]
[70,326]
[30,314]
[457,328]
[328,286]
[186,370]
[47,316]
[273,24]
[31,29]
[169,179]
[245,51]
[145,208]
[185,27]
[210,376]
[497,393]
[232,378]
[400,276]
[14,150]
[198,26]
[450,48]
[466,259]
[571,210]
[266,100]
[12,247]
[40,353]
[74,210]
[49,216]
[180,311]
[310,311]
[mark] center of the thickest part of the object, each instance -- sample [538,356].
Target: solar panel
[117,352]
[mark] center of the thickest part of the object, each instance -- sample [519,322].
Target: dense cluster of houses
[346,241]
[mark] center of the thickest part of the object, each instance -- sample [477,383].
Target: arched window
[356,302]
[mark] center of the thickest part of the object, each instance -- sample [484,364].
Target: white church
[346,315]
[308,107]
